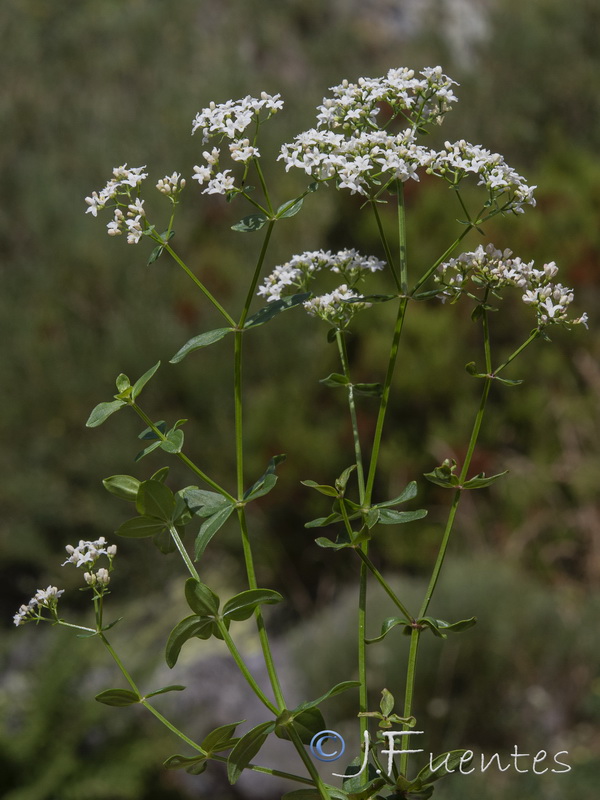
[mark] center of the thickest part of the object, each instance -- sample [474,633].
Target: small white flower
[222,183]
[103,577]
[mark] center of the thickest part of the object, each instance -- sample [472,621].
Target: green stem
[243,668]
[534,335]
[408,696]
[202,475]
[386,247]
[77,627]
[426,275]
[384,399]
[119,664]
[267,771]
[183,552]
[341,342]
[385,586]
[316,778]
[402,259]
[198,282]
[172,727]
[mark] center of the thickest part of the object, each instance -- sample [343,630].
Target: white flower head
[43,599]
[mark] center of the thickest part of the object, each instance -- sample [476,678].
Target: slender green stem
[384,584]
[77,627]
[316,778]
[384,399]
[243,668]
[363,692]
[341,342]
[534,335]
[198,282]
[402,259]
[263,184]
[408,697]
[172,727]
[267,771]
[386,247]
[202,475]
[260,623]
[119,664]
[183,552]
[428,273]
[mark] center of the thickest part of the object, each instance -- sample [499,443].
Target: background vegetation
[91,85]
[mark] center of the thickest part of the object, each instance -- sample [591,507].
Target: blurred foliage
[92,85]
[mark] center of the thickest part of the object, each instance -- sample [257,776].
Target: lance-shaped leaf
[123,486]
[188,628]
[479,481]
[202,340]
[289,209]
[444,475]
[266,481]
[200,598]
[439,627]
[202,502]
[118,697]
[175,687]
[387,516]
[141,382]
[321,522]
[103,411]
[245,750]
[194,765]
[251,223]
[243,604]
[386,627]
[276,307]
[147,450]
[140,527]
[220,738]
[409,492]
[335,379]
[150,434]
[337,689]
[173,443]
[369,389]
[210,527]
[323,541]
[439,767]
[323,488]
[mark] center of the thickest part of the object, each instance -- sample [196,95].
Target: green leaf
[251,223]
[337,689]
[154,499]
[342,481]
[289,209]
[386,627]
[118,697]
[456,627]
[150,434]
[173,442]
[188,628]
[210,527]
[266,481]
[321,522]
[161,474]
[444,475]
[323,488]
[387,702]
[202,502]
[141,382]
[202,340]
[388,516]
[195,765]
[155,254]
[102,412]
[219,738]
[164,542]
[508,382]
[123,486]
[200,598]
[122,383]
[334,380]
[140,527]
[323,541]
[305,723]
[173,688]
[369,389]
[243,604]
[273,309]
[479,481]
[245,750]
[407,494]
[147,450]
[446,764]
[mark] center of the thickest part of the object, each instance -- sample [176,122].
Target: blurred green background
[90,85]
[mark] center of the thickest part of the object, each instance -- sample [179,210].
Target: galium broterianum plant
[369,139]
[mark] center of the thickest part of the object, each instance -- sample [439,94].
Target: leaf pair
[127,395]
[438,627]
[444,476]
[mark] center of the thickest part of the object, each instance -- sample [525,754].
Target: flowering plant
[368,140]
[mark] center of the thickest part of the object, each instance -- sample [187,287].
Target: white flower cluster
[43,598]
[171,185]
[229,120]
[359,161]
[421,101]
[297,274]
[87,553]
[506,187]
[497,270]
[119,190]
